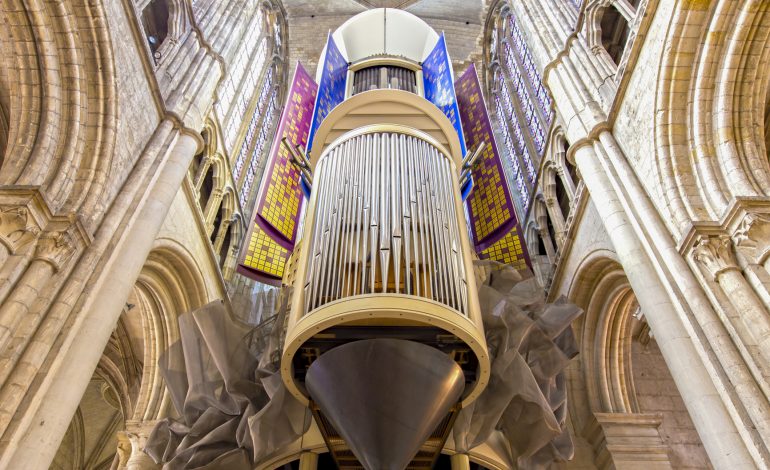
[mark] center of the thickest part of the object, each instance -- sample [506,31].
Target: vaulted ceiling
[452,10]
[310,21]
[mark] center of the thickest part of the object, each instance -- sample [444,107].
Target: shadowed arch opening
[623,376]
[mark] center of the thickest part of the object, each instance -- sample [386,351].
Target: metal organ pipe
[385,222]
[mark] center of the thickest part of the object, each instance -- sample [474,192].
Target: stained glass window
[242,77]
[251,131]
[257,154]
[521,185]
[529,66]
[523,106]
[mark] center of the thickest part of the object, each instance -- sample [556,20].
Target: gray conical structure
[385,396]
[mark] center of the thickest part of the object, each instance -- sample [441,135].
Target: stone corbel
[715,253]
[752,237]
[17,228]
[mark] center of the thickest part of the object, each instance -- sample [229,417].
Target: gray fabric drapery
[234,410]
[530,343]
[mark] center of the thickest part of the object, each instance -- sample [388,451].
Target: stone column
[557,218]
[752,241]
[61,390]
[717,430]
[212,208]
[460,462]
[308,461]
[715,254]
[550,248]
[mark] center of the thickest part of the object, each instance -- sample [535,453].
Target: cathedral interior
[384,234]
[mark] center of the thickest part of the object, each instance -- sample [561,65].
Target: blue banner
[439,88]
[331,90]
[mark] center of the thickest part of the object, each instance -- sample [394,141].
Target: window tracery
[522,102]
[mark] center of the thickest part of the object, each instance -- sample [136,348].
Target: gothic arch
[602,290]
[170,284]
[61,126]
[714,75]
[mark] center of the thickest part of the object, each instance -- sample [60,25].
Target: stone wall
[656,393]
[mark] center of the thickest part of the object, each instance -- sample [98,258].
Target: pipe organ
[384,341]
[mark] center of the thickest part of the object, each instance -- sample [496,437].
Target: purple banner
[496,231]
[273,232]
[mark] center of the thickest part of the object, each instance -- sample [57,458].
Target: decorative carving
[124,449]
[752,237]
[55,248]
[715,253]
[16,231]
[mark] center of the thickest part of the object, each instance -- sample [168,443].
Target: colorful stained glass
[521,186]
[251,132]
[529,66]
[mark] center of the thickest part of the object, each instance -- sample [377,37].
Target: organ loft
[384,235]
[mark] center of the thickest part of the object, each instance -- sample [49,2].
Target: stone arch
[602,290]
[721,156]
[201,161]
[615,392]
[164,22]
[211,186]
[61,125]
[223,218]
[170,284]
[608,30]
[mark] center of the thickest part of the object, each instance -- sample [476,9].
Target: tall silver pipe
[386,205]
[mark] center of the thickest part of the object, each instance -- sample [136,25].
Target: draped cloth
[233,409]
[530,343]
[223,380]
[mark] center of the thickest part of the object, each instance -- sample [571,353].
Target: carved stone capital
[752,237]
[55,248]
[715,253]
[17,228]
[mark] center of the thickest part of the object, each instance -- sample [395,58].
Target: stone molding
[628,440]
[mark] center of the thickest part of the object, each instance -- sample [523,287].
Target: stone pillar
[212,208]
[715,254]
[221,233]
[628,440]
[548,243]
[557,218]
[308,461]
[61,389]
[717,430]
[460,462]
